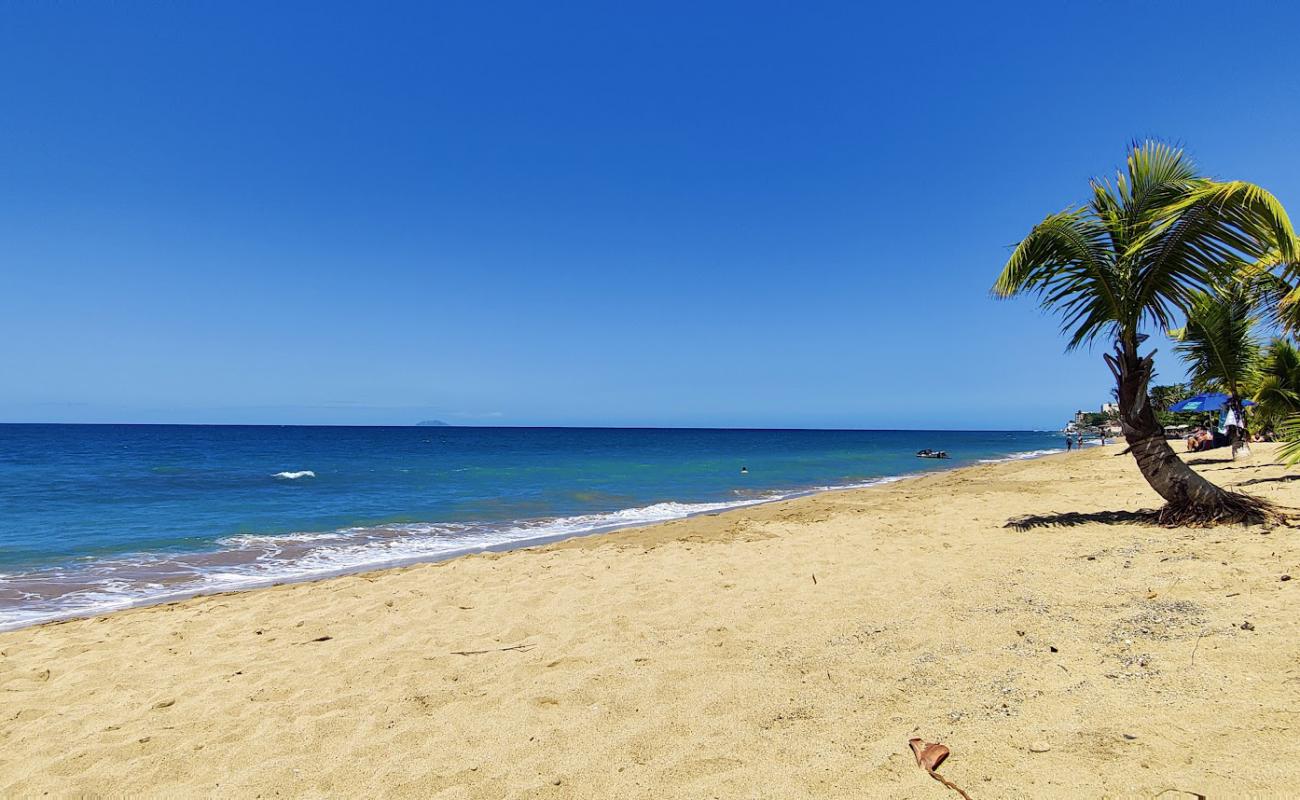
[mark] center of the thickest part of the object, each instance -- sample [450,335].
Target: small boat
[928,453]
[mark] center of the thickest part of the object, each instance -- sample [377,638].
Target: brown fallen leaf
[929,755]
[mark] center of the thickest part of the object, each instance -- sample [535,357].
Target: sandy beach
[781,651]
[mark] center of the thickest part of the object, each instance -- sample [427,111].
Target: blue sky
[611,214]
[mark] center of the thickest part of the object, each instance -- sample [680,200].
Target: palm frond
[1274,397]
[1284,361]
[1067,262]
[1284,298]
[1157,175]
[1277,392]
[1202,239]
[1217,223]
[1288,432]
[1218,342]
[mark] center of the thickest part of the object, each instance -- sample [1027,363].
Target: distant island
[432,423]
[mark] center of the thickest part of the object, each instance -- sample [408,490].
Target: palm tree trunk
[1189,498]
[1241,434]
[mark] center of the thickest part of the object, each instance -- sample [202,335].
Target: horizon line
[525,427]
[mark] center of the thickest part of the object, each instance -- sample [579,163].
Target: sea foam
[1027,454]
[250,560]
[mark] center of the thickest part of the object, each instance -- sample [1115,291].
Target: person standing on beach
[1079,442]
[1069,443]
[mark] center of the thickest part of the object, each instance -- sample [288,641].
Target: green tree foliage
[1219,342]
[1096,419]
[1277,392]
[1162,397]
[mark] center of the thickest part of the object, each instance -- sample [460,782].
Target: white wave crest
[1021,456]
[293,476]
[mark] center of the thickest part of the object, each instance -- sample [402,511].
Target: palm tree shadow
[1070,519]
[1279,479]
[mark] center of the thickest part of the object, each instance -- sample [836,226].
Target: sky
[664,214]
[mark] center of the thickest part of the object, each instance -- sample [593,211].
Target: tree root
[1226,508]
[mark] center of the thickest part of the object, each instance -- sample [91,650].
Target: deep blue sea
[96,517]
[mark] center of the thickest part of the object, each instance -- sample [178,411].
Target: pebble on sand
[1039,747]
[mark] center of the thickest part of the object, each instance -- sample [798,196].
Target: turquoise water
[95,517]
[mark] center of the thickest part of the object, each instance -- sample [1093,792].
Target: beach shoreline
[416,560]
[787,649]
[71,587]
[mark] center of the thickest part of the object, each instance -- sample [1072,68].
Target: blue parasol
[1205,402]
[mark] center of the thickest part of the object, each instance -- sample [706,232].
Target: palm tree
[1135,257]
[1277,393]
[1162,397]
[1218,341]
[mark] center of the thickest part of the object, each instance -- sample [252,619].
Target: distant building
[1085,421]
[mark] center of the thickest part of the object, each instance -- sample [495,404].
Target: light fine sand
[782,651]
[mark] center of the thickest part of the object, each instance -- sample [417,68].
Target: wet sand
[780,651]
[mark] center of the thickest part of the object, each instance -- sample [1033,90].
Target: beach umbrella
[1213,401]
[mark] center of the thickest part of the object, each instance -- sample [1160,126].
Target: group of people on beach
[1206,437]
[1075,441]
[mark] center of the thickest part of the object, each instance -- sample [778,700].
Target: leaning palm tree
[1134,258]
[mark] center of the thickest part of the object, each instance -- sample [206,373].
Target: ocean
[100,517]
